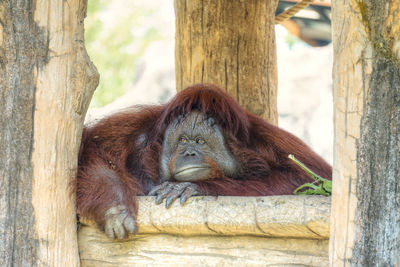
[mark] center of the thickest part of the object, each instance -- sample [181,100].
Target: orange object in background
[312,24]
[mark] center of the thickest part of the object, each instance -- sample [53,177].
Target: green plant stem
[313,175]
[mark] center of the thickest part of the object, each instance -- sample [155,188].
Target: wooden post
[230,44]
[46,82]
[365,221]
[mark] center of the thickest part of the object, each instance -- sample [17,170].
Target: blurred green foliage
[115,38]
[291,40]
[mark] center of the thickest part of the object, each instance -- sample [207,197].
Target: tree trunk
[365,222]
[230,44]
[46,82]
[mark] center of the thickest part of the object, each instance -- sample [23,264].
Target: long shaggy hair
[120,155]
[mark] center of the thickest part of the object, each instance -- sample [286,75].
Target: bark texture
[46,82]
[366,201]
[230,44]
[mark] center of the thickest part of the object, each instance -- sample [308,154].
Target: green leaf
[327,186]
[323,187]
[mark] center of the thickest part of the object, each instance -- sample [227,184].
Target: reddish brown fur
[119,156]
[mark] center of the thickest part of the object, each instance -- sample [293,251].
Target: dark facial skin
[193,147]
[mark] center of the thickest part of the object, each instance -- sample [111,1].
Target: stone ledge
[305,217]
[223,231]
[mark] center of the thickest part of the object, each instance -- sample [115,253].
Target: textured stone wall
[223,231]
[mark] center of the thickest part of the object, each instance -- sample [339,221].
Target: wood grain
[230,44]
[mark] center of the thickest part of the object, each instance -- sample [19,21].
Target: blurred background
[131,42]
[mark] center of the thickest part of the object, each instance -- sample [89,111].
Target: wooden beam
[232,45]
[46,82]
[365,221]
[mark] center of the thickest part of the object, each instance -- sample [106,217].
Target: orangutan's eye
[183,140]
[200,141]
